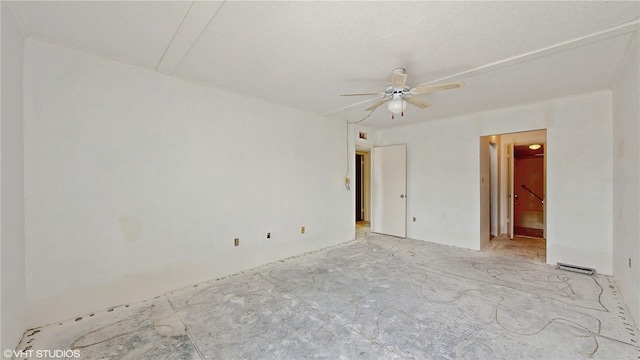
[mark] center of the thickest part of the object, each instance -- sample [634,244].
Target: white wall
[443,175]
[626,178]
[12,249]
[370,141]
[137,183]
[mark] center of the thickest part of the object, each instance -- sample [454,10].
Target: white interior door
[389,190]
[510,195]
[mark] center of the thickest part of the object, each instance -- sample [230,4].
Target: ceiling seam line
[627,50]
[528,56]
[17,14]
[186,14]
[200,35]
[532,54]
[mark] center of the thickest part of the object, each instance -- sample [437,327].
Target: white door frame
[366,182]
[517,138]
[495,188]
[540,140]
[485,191]
[510,190]
[389,190]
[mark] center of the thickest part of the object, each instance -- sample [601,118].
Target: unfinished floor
[374,298]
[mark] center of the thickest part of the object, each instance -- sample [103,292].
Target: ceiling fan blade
[436,87]
[398,80]
[419,103]
[363,94]
[377,104]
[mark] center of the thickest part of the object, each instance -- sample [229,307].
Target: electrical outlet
[268,235]
[302,230]
[236,241]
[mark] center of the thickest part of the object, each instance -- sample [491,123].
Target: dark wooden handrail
[534,194]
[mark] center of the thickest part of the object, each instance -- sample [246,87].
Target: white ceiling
[304,54]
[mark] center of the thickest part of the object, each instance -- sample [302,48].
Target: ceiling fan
[399,93]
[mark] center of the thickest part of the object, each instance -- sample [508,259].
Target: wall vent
[576,268]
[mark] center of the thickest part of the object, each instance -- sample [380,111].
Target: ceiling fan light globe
[397,106]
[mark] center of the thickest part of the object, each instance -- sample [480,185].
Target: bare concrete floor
[374,298]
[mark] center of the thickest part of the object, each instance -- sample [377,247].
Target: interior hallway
[376,297]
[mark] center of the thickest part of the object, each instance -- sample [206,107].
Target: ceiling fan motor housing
[390,90]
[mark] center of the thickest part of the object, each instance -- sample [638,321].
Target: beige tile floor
[376,297]
[363,229]
[534,249]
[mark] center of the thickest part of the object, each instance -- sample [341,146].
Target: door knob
[402,196]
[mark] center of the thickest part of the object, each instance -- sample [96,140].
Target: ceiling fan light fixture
[535,146]
[397,106]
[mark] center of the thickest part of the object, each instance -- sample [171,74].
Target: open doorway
[528,191]
[494,190]
[362,192]
[515,166]
[359,187]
